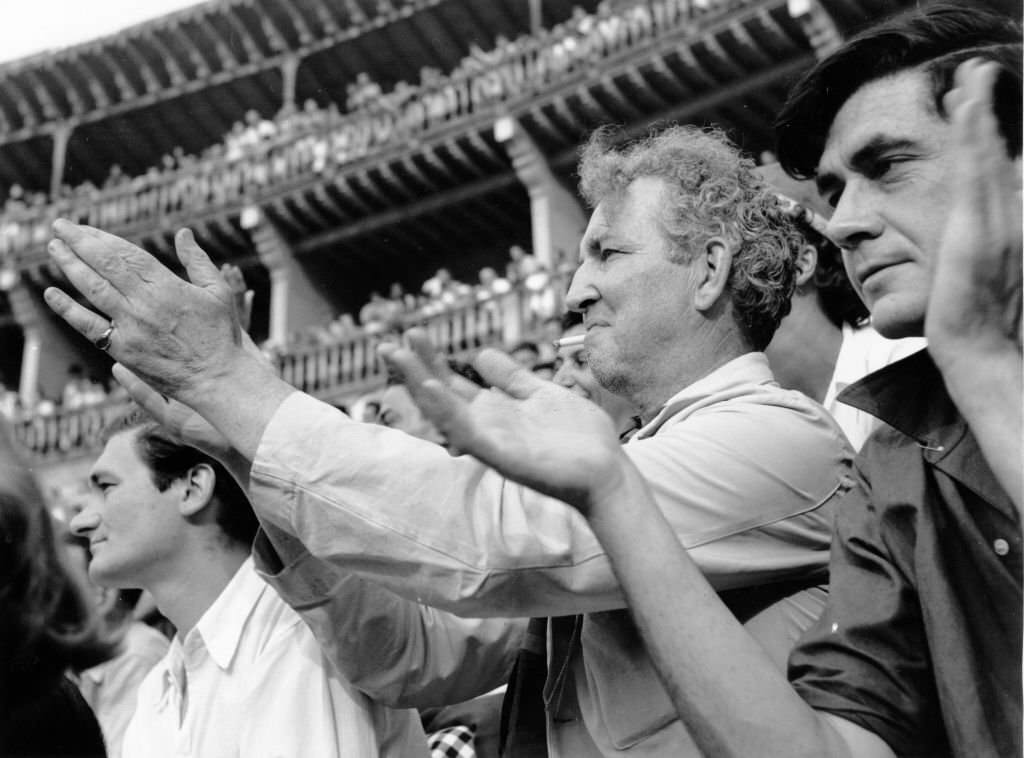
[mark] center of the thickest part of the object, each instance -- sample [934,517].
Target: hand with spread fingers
[532,431]
[973,322]
[169,331]
[181,337]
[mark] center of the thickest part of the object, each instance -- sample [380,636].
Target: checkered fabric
[451,742]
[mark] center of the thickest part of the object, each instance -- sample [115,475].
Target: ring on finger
[103,341]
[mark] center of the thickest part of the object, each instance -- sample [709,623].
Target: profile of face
[398,411]
[887,171]
[575,375]
[637,303]
[133,528]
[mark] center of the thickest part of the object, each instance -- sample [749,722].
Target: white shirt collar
[220,627]
[737,374]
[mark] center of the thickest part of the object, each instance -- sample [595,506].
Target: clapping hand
[531,431]
[174,334]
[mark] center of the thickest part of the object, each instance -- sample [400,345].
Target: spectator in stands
[825,343]
[243,670]
[520,265]
[491,285]
[913,132]
[373,316]
[47,627]
[526,354]
[677,298]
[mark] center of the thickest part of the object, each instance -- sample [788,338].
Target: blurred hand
[242,295]
[974,310]
[530,430]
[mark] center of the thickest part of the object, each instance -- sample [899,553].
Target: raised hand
[171,332]
[973,322]
[975,303]
[530,430]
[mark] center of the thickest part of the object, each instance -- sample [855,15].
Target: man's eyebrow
[863,159]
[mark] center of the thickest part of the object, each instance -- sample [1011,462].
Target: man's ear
[806,262]
[199,485]
[713,272]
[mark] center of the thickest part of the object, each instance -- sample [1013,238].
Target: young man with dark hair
[244,675]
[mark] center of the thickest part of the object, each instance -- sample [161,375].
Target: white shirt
[747,475]
[862,352]
[249,681]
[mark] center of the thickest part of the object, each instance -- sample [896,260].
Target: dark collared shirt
[921,639]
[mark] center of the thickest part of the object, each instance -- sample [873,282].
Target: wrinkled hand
[243,296]
[174,334]
[531,431]
[178,420]
[974,310]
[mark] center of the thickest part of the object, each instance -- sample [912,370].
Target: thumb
[200,269]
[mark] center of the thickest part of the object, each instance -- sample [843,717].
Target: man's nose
[83,522]
[582,293]
[854,220]
[563,377]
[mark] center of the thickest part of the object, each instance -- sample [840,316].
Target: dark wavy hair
[934,40]
[713,191]
[47,622]
[169,461]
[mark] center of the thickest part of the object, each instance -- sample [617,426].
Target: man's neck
[805,349]
[680,373]
[188,591]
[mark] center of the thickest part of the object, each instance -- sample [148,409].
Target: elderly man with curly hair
[686,269]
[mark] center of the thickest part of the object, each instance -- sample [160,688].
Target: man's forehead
[895,108]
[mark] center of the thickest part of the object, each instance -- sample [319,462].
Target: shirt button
[1001,546]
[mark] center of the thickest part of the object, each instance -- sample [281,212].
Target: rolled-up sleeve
[867,658]
[746,485]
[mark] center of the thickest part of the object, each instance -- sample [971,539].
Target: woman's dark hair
[47,622]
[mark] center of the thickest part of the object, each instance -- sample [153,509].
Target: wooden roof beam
[174,70]
[75,101]
[235,21]
[298,21]
[431,204]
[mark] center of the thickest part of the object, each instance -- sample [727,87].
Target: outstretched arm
[725,688]
[973,324]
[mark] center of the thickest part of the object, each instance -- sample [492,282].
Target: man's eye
[606,254]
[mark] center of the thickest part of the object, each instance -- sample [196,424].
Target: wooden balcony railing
[216,185]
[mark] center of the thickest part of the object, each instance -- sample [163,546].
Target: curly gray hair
[713,191]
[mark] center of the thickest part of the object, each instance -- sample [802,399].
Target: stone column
[61,135]
[295,302]
[557,219]
[289,75]
[49,348]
